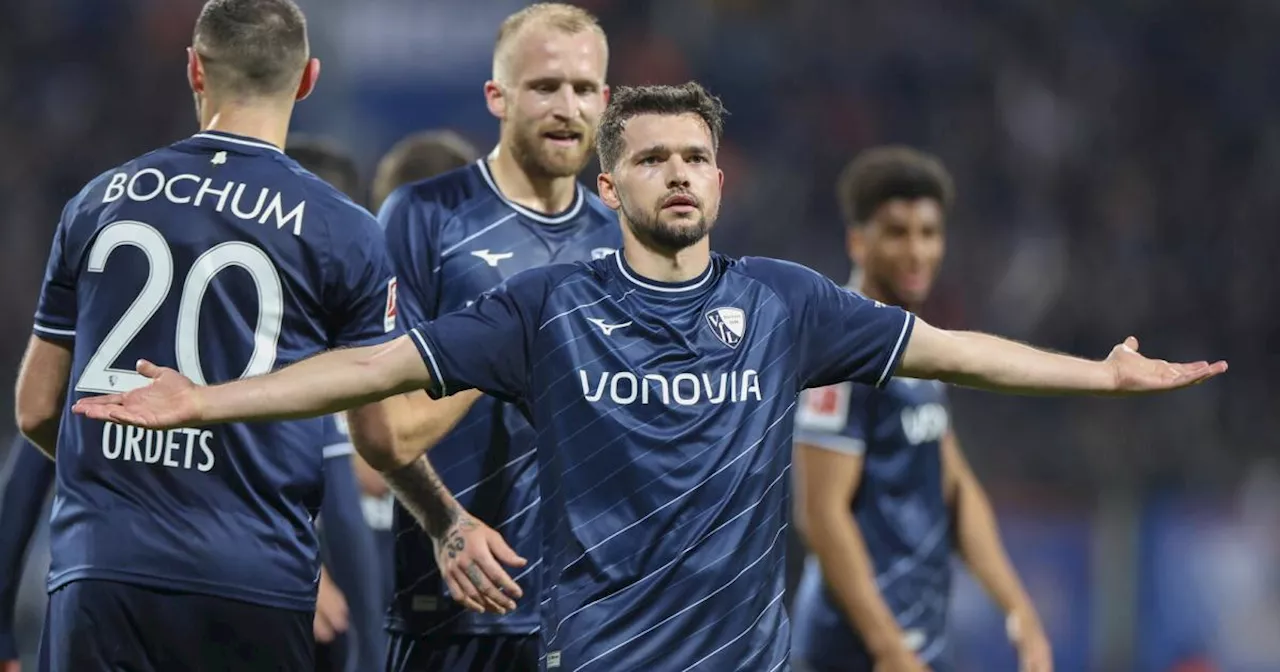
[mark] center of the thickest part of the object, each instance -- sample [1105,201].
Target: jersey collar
[233,141]
[688,286]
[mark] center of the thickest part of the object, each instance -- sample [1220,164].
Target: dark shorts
[94,625]
[463,653]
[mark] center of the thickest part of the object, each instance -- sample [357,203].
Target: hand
[171,400]
[899,660]
[1135,374]
[466,555]
[10,666]
[331,611]
[1027,635]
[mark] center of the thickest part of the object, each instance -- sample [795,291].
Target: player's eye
[585,89]
[698,158]
[650,160]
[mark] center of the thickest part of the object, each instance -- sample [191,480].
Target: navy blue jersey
[223,258]
[452,238]
[900,507]
[22,500]
[664,423]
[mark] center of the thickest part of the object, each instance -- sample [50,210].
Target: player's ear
[855,238]
[310,75]
[195,71]
[607,91]
[605,189]
[495,99]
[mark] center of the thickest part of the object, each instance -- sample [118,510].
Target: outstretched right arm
[327,383]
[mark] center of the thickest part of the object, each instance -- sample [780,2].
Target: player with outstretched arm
[661,382]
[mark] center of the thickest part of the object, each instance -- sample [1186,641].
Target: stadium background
[1115,161]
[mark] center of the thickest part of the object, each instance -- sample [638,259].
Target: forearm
[849,574]
[395,431]
[44,436]
[422,493]
[988,362]
[980,546]
[327,383]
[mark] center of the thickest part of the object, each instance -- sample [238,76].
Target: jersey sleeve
[56,310]
[361,292]
[843,335]
[834,418]
[411,228]
[487,345]
[337,440]
[22,499]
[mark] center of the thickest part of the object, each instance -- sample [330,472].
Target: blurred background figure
[1116,161]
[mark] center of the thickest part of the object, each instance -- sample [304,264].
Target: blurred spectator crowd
[1112,158]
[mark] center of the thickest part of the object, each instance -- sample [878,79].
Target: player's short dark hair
[252,47]
[418,156]
[328,161]
[883,174]
[632,101]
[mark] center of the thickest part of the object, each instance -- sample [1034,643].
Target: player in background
[347,543]
[194,548]
[351,583]
[662,384]
[418,156]
[451,239]
[22,497]
[883,490]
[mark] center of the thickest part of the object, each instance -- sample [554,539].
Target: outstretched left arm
[988,362]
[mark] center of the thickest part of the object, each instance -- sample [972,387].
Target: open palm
[171,400]
[1136,374]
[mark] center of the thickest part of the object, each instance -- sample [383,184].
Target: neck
[547,195]
[679,266]
[876,292]
[260,121]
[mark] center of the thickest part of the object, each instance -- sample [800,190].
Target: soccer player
[194,548]
[662,383]
[418,156]
[350,592]
[22,499]
[882,487]
[453,238]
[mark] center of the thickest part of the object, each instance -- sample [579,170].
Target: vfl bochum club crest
[728,324]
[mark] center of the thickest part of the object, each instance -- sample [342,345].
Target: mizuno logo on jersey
[728,324]
[601,252]
[606,328]
[492,258]
[685,389]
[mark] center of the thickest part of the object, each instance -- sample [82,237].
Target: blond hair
[557,15]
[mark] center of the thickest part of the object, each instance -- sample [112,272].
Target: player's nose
[564,104]
[677,173]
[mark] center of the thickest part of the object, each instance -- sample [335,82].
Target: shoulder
[543,280]
[109,185]
[793,283]
[775,272]
[433,202]
[449,192]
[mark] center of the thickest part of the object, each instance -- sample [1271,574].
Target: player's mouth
[680,203]
[915,282]
[563,138]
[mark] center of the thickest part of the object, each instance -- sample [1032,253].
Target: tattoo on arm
[418,487]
